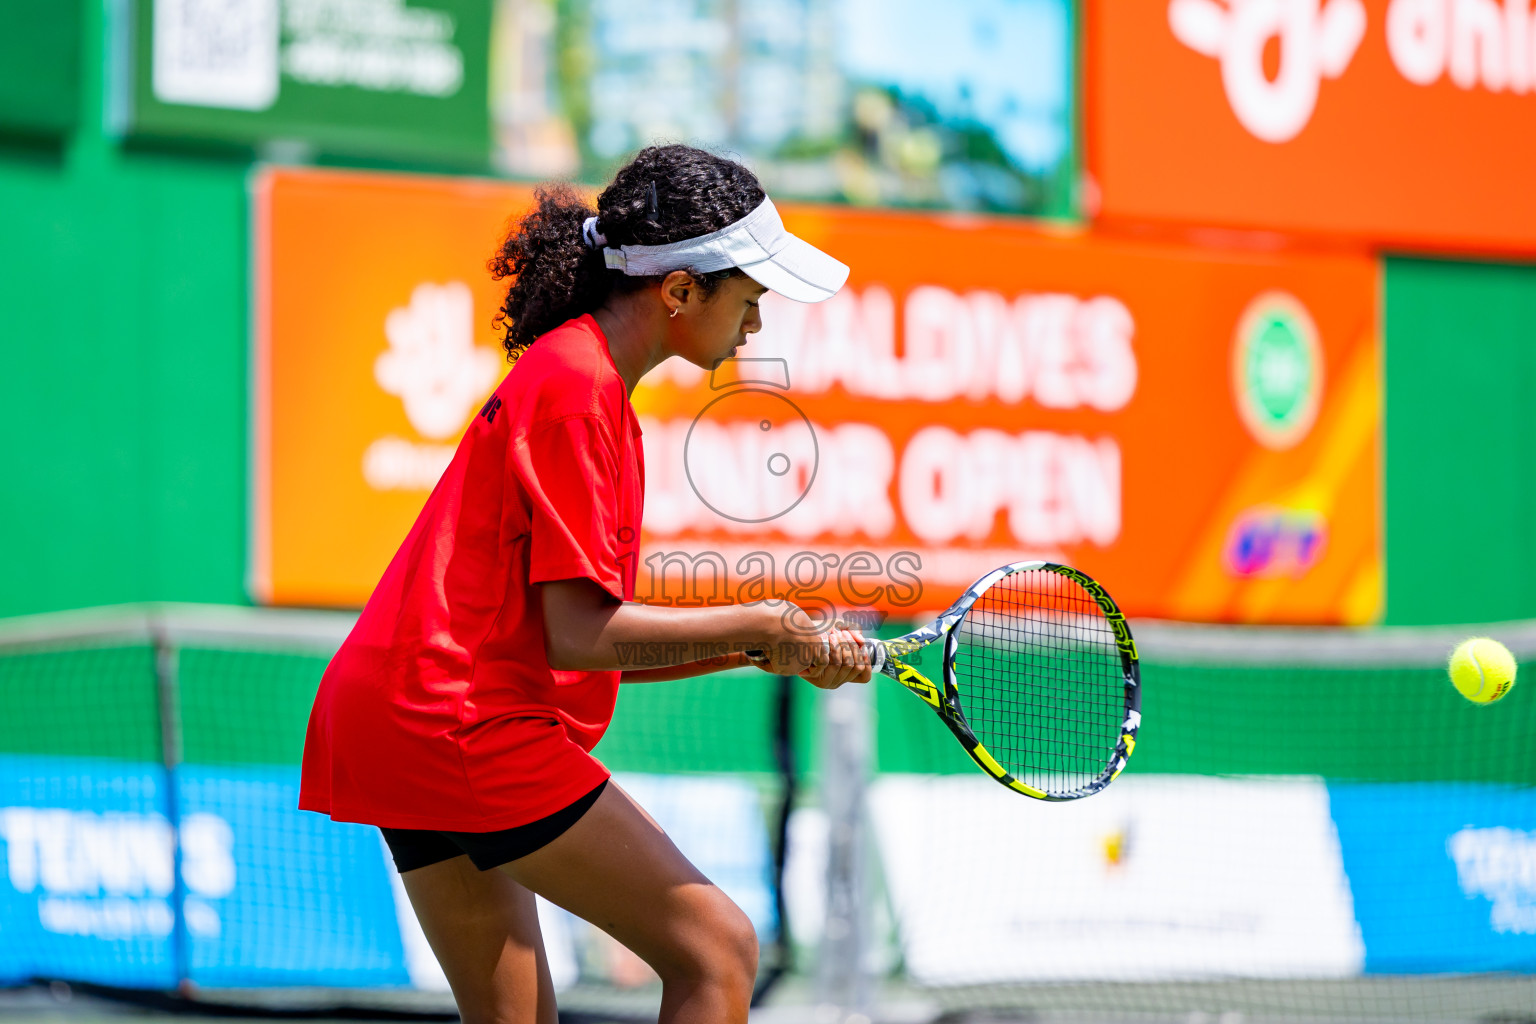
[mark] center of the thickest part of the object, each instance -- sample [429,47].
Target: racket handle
[876,654]
[876,649]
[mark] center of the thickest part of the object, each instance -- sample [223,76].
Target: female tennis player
[459,714]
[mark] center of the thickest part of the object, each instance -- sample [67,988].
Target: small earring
[675,311]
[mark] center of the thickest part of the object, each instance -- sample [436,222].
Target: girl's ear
[676,287]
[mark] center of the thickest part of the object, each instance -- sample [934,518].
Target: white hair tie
[593,238]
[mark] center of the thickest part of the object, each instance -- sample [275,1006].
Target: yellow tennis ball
[1482,669]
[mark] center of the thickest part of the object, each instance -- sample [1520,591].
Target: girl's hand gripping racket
[1040,681]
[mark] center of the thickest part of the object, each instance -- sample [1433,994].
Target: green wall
[40,66]
[1460,441]
[122,393]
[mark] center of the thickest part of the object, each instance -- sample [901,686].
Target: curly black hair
[665,194]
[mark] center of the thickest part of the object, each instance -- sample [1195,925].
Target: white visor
[757,245]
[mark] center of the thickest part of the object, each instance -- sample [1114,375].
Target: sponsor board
[983,391]
[986,392]
[271,895]
[1444,874]
[307,899]
[88,872]
[381,77]
[1161,877]
[1158,877]
[1392,121]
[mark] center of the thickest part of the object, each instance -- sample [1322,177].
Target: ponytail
[555,275]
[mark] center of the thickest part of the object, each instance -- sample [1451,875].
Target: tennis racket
[1040,681]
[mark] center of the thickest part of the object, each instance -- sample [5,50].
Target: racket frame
[888,658]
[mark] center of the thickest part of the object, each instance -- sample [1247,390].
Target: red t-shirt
[440,711]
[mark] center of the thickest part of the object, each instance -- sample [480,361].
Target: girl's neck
[633,326]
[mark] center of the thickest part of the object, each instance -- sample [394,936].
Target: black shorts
[416,848]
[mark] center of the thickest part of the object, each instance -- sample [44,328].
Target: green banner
[383,78]
[40,67]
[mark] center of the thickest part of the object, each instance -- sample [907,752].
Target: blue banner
[1443,874]
[280,896]
[273,895]
[88,878]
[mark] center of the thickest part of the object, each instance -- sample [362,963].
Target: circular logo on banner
[751,469]
[1277,370]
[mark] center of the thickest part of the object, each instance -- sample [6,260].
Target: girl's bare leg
[617,869]
[484,928]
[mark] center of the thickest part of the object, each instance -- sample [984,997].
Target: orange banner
[1199,430]
[1403,122]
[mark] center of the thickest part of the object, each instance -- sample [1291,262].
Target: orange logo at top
[1199,431]
[1399,122]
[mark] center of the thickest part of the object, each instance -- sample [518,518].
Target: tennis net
[1314,825]
[126,728]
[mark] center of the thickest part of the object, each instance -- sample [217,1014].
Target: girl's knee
[721,947]
[739,939]
[729,958]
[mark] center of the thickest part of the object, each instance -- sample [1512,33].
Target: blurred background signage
[847,100]
[359,362]
[1234,389]
[1204,430]
[870,101]
[402,78]
[1388,120]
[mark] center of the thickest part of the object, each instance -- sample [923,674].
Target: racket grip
[876,654]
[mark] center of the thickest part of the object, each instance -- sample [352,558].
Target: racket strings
[1041,680]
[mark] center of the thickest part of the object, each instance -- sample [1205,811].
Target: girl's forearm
[586,630]
[691,670]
